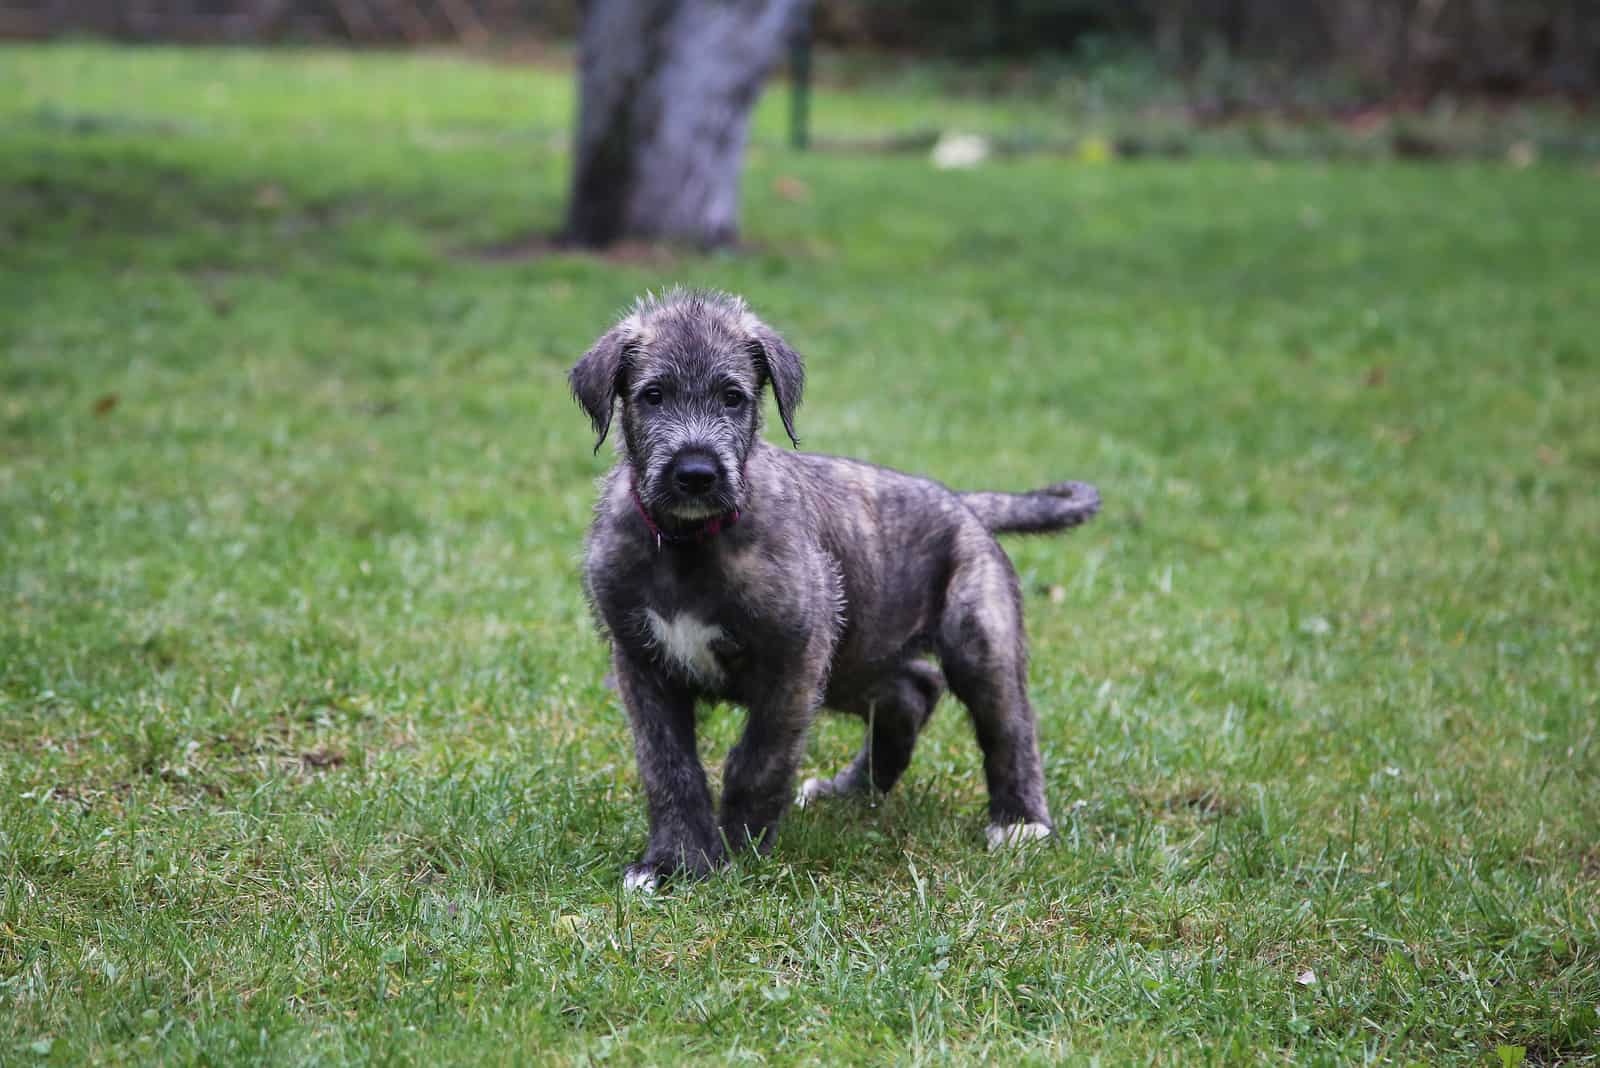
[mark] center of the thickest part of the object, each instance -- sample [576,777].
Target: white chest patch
[686,641]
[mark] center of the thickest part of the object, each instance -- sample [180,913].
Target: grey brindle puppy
[722,567]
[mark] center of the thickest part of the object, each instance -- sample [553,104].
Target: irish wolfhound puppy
[725,568]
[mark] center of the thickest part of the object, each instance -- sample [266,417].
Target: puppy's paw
[671,865]
[1073,491]
[1007,835]
[812,789]
[641,879]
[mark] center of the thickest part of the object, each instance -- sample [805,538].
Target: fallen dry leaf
[791,188]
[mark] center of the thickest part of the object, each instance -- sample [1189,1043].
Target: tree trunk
[666,88]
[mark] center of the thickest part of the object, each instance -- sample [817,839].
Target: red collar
[708,528]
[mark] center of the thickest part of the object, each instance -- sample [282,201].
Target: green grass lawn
[304,752]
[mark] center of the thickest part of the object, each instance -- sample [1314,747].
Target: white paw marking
[640,881]
[812,789]
[1015,834]
[686,641]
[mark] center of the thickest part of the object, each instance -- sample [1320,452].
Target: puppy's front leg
[758,778]
[683,835]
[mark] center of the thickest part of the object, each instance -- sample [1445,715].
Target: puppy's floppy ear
[598,377]
[780,365]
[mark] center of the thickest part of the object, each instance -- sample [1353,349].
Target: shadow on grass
[114,199]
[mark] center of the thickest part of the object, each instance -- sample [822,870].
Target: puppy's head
[687,370]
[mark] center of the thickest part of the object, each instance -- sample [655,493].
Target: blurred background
[1366,48]
[1221,59]
[665,88]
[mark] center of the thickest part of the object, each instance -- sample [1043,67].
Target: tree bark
[665,93]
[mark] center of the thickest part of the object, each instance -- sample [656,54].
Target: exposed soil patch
[86,797]
[538,246]
[322,757]
[533,247]
[1204,801]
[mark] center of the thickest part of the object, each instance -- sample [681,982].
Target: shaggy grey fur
[785,581]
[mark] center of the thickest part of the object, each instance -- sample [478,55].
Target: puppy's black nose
[694,473]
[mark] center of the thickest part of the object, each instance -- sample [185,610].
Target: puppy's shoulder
[610,543]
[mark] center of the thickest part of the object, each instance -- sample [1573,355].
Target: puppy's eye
[652,396]
[732,398]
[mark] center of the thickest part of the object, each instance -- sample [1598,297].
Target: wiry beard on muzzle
[665,500]
[652,459]
[707,506]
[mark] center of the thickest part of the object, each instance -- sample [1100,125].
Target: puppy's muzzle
[695,473]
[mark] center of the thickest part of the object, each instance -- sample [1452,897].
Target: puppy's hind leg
[895,711]
[983,650]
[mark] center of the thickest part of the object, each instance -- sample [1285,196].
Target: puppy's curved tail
[1066,504]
